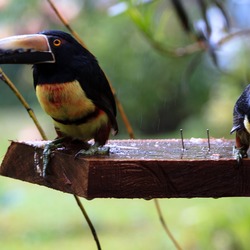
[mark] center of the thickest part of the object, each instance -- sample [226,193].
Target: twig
[227,38]
[123,116]
[31,113]
[139,22]
[66,24]
[88,221]
[176,244]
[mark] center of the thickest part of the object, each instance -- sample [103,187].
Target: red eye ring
[57,42]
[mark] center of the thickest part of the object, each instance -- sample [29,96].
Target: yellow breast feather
[64,100]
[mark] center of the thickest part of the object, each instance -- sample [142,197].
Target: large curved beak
[26,49]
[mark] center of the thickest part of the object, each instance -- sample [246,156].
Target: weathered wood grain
[136,169]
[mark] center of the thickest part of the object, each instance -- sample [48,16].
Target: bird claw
[47,153]
[239,158]
[239,154]
[93,150]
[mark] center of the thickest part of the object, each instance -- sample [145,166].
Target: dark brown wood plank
[136,169]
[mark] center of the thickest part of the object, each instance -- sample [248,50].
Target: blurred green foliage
[37,218]
[160,94]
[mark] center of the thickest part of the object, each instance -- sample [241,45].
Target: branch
[30,111]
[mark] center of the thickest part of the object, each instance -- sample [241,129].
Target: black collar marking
[79,121]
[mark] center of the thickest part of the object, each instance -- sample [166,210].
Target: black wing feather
[96,86]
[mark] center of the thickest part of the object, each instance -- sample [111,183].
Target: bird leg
[47,152]
[241,146]
[239,154]
[95,149]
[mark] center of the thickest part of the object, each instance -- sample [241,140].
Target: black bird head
[52,46]
[56,55]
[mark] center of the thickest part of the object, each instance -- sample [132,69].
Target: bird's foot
[47,153]
[95,149]
[239,154]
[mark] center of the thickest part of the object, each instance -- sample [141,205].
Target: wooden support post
[136,169]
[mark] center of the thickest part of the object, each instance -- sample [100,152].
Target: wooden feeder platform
[136,169]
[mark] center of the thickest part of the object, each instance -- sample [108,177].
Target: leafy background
[160,94]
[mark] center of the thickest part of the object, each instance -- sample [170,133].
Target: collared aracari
[241,124]
[70,86]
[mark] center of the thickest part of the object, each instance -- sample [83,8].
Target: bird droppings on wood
[136,169]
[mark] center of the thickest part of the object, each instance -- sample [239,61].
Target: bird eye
[57,42]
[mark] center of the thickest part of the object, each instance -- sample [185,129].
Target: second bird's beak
[26,49]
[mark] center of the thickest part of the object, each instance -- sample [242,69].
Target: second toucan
[241,124]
